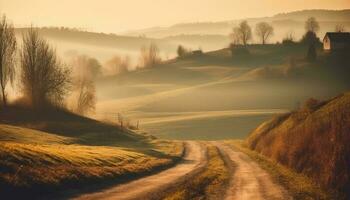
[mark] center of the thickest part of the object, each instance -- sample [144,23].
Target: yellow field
[31,158]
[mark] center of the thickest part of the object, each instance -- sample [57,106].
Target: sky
[113,16]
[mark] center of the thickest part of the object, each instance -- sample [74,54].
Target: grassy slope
[32,160]
[312,140]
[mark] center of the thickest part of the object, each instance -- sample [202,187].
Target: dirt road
[249,181]
[141,188]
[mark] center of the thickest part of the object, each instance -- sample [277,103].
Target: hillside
[60,151]
[282,23]
[313,140]
[236,93]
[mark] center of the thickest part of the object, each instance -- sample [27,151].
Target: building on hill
[333,41]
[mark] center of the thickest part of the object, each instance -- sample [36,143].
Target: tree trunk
[4,100]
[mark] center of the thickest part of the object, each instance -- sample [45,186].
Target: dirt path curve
[248,180]
[140,188]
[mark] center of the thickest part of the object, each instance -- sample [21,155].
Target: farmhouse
[333,41]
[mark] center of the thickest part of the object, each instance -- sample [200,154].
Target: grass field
[31,160]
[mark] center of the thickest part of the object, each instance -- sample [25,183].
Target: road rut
[143,187]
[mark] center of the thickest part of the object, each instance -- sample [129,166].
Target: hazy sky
[120,15]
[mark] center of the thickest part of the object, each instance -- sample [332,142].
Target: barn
[333,41]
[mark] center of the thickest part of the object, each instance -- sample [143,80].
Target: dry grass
[298,185]
[209,184]
[33,162]
[313,140]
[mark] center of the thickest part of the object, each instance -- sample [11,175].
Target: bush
[239,51]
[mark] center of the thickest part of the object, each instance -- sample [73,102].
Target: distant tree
[311,53]
[181,51]
[88,65]
[310,38]
[312,25]
[85,72]
[339,28]
[118,65]
[289,39]
[86,95]
[242,33]
[264,31]
[45,81]
[7,56]
[149,56]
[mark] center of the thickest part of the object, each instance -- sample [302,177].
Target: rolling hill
[44,154]
[208,36]
[283,24]
[193,97]
[312,140]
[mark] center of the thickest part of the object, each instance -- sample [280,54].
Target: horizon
[43,16]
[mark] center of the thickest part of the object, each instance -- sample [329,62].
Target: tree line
[44,80]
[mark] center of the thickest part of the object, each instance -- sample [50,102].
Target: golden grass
[30,160]
[313,140]
[298,185]
[209,184]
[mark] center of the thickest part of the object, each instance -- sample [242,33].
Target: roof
[338,36]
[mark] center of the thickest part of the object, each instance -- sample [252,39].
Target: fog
[208,96]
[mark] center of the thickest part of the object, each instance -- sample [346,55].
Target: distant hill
[313,140]
[71,42]
[283,23]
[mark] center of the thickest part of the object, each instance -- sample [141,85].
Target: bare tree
[86,95]
[90,66]
[85,72]
[264,31]
[242,33]
[45,81]
[339,28]
[312,25]
[149,57]
[117,65]
[7,56]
